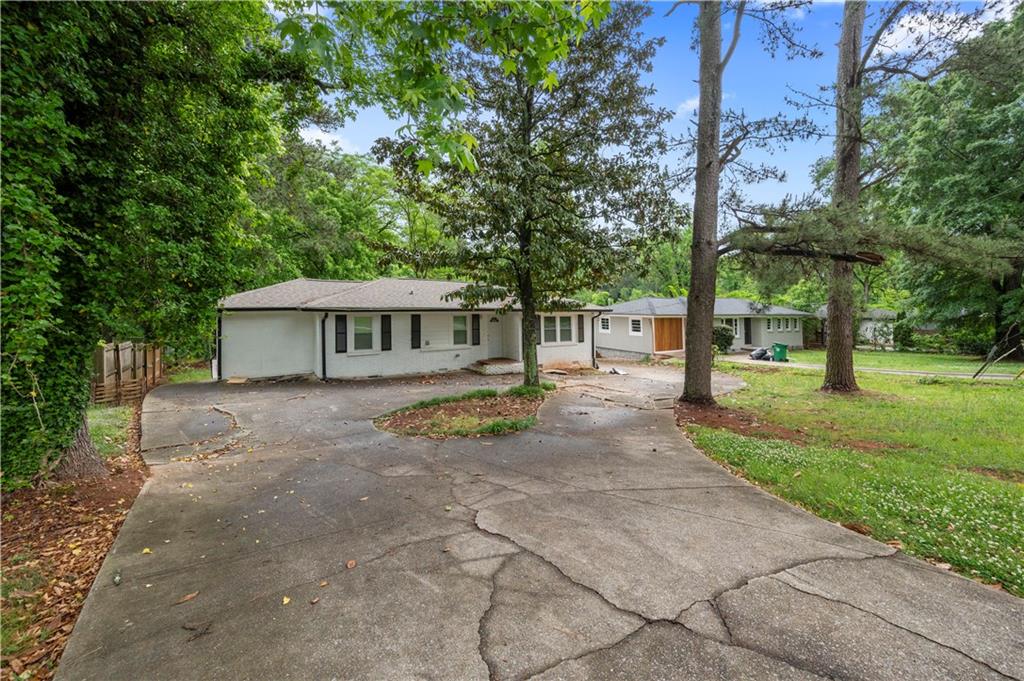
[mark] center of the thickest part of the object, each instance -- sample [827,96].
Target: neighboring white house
[384,327]
[646,326]
[875,328]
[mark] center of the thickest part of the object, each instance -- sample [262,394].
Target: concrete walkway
[598,545]
[745,359]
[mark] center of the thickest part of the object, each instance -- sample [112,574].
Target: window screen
[550,330]
[565,329]
[459,336]
[340,333]
[362,333]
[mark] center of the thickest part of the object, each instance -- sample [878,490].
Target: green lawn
[947,486]
[910,361]
[108,427]
[188,374]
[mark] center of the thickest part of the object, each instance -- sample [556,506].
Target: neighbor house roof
[676,307]
[377,294]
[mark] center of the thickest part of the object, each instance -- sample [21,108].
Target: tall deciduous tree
[127,128]
[394,54]
[958,149]
[568,179]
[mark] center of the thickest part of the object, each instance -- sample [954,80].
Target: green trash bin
[779,352]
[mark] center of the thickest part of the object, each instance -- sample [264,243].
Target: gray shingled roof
[378,294]
[676,307]
[651,307]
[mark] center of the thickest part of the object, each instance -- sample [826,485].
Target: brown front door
[668,334]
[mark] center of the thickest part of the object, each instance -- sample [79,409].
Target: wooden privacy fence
[123,372]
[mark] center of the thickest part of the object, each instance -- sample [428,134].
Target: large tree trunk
[839,374]
[700,311]
[529,305]
[80,459]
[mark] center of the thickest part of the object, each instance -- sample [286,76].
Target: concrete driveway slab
[598,545]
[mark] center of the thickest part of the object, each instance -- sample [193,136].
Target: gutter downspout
[323,347]
[593,341]
[218,349]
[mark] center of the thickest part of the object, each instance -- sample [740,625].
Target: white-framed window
[768,324]
[786,323]
[550,330]
[565,329]
[636,326]
[605,325]
[362,333]
[460,335]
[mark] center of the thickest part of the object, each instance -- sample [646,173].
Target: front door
[494,336]
[668,334]
[747,330]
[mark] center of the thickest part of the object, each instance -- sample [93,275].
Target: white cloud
[912,30]
[329,139]
[797,13]
[688,106]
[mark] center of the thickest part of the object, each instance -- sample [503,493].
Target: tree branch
[882,28]
[735,36]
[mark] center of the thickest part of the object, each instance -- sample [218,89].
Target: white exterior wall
[567,352]
[620,340]
[265,344]
[794,337]
[436,352]
[281,343]
[512,335]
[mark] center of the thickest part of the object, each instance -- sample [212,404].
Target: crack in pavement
[652,620]
[482,623]
[840,601]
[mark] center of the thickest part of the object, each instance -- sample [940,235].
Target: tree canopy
[568,179]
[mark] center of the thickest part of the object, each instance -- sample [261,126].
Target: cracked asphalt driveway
[598,545]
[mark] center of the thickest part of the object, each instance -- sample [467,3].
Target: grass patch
[478,394]
[910,361]
[929,463]
[108,427]
[188,374]
[484,411]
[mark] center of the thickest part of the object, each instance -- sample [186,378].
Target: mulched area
[55,537]
[436,420]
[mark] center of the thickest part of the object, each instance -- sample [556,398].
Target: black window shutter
[579,328]
[536,327]
[415,331]
[340,333]
[476,329]
[385,332]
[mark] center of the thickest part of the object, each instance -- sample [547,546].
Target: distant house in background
[646,326]
[385,327]
[875,328]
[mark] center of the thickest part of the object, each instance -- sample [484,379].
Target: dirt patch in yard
[55,537]
[469,417]
[999,473]
[742,422]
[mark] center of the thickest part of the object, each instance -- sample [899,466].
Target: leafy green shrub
[548,385]
[903,335]
[722,337]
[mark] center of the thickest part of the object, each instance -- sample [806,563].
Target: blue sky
[753,82]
